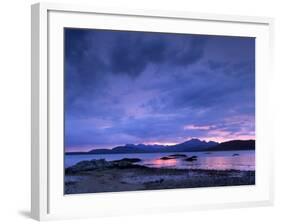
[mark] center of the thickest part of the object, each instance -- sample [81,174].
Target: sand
[144,178]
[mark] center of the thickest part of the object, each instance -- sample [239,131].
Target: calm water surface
[245,160]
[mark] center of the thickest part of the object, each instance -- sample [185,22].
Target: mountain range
[192,145]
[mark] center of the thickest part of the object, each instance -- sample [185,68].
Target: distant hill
[188,146]
[192,145]
[234,145]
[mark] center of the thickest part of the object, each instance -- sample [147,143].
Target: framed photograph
[148,111]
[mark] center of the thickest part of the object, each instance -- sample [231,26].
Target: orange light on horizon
[228,138]
[160,143]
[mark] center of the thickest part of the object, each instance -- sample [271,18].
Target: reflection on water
[164,163]
[237,160]
[242,161]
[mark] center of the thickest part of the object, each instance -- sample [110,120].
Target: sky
[126,87]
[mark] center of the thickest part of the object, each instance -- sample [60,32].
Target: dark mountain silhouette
[192,145]
[234,145]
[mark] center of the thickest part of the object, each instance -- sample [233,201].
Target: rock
[191,159]
[177,155]
[125,163]
[100,164]
[88,166]
[173,156]
[166,158]
[131,160]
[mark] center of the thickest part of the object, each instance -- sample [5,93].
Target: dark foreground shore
[98,176]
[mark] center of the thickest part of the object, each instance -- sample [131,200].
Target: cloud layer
[136,87]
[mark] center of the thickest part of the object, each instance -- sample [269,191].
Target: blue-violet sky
[156,88]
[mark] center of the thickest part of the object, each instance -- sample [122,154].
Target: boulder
[166,158]
[94,164]
[126,162]
[191,159]
[173,156]
[178,155]
[235,154]
[130,160]
[88,165]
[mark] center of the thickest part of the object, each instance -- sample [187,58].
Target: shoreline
[124,175]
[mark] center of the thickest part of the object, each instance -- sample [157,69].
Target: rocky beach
[100,175]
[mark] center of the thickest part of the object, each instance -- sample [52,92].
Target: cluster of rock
[94,164]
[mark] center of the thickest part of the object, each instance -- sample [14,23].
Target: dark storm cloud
[131,57]
[133,53]
[223,86]
[136,87]
[192,53]
[216,65]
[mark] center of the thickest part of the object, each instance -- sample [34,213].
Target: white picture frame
[48,201]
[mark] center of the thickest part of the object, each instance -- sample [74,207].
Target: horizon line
[158,144]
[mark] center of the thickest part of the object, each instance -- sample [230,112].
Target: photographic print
[151,111]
